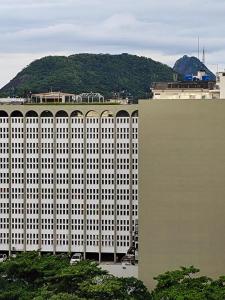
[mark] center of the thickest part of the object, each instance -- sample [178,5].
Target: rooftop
[208,85]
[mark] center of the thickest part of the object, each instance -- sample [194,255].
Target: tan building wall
[182,186]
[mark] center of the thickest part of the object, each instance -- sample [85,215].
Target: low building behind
[191,87]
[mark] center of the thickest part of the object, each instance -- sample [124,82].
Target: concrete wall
[182,186]
[222,85]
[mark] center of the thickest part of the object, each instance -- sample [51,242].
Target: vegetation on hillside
[33,277]
[79,73]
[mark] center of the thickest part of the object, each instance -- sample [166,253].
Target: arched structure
[72,154]
[92,114]
[3,114]
[61,114]
[135,114]
[106,113]
[46,114]
[16,114]
[122,114]
[76,114]
[31,114]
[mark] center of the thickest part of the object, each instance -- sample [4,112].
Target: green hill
[78,73]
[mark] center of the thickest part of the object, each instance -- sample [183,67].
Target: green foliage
[64,296]
[184,284]
[69,278]
[79,73]
[30,276]
[109,287]
[48,277]
[32,269]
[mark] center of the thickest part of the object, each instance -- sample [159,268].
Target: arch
[135,114]
[16,114]
[106,113]
[122,114]
[3,114]
[77,114]
[92,114]
[61,114]
[31,114]
[46,114]
[78,98]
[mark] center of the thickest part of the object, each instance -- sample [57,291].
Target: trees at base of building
[30,276]
[184,284]
[33,277]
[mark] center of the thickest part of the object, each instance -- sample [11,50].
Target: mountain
[78,73]
[187,65]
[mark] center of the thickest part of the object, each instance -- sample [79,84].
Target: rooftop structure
[91,97]
[12,100]
[184,85]
[53,97]
[185,90]
[59,97]
[65,98]
[192,87]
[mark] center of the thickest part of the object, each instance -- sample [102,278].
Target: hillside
[191,65]
[78,73]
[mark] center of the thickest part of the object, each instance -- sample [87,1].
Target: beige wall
[182,186]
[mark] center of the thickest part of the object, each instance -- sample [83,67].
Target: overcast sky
[160,29]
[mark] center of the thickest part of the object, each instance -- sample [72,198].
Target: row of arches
[62,113]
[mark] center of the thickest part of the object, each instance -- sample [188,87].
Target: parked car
[3,257]
[76,258]
[128,259]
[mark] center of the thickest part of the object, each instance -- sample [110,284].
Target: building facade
[181,187]
[69,178]
[185,90]
[59,97]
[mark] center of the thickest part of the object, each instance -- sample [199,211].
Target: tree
[32,269]
[48,277]
[69,278]
[109,287]
[184,284]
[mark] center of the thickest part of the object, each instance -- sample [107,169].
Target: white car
[77,257]
[3,257]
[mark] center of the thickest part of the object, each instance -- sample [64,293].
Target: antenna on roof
[203,55]
[198,47]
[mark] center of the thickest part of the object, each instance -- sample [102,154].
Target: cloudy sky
[160,29]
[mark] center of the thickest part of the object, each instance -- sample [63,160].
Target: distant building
[91,98]
[220,84]
[53,97]
[192,87]
[12,100]
[59,97]
[185,90]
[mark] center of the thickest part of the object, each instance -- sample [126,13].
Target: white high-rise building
[69,178]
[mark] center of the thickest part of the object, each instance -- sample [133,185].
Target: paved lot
[119,270]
